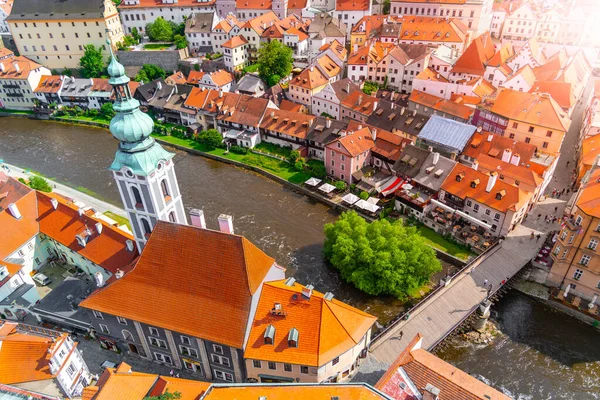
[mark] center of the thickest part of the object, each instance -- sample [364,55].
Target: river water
[542,355]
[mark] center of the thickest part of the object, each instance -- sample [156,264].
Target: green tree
[136,35]
[294,156]
[165,396]
[92,62]
[180,41]
[386,7]
[300,164]
[107,111]
[39,183]
[379,258]
[274,61]
[160,30]
[340,185]
[211,139]
[150,72]
[363,195]
[317,170]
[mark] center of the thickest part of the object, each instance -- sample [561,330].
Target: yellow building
[576,267]
[54,32]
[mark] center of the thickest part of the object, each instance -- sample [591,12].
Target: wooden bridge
[444,310]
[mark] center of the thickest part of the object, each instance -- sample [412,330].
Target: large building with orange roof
[31,358]
[19,77]
[576,267]
[434,31]
[301,335]
[527,117]
[418,374]
[476,15]
[349,152]
[39,227]
[306,84]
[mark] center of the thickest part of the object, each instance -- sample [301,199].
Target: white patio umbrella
[312,182]
[350,198]
[327,188]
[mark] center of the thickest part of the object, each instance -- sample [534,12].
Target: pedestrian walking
[489,291]
[538,217]
[563,191]
[400,335]
[556,209]
[532,235]
[568,190]
[485,282]
[568,163]
[538,237]
[503,282]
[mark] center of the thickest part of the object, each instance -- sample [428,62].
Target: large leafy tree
[160,30]
[150,72]
[274,61]
[92,62]
[379,258]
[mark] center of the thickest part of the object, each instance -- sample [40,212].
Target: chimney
[226,223]
[197,218]
[54,203]
[14,210]
[307,291]
[374,105]
[374,134]
[490,137]
[99,227]
[119,274]
[506,155]
[91,82]
[272,114]
[158,85]
[359,127]
[475,165]
[360,98]
[312,68]
[16,65]
[80,212]
[516,159]
[129,245]
[348,87]
[99,279]
[220,93]
[328,123]
[431,392]
[2,67]
[436,158]
[491,181]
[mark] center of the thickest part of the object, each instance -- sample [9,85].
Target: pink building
[349,153]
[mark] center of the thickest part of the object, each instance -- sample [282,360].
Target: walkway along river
[286,225]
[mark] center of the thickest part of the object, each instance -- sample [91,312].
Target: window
[98,314]
[585,259]
[564,254]
[497,216]
[335,361]
[577,275]
[571,238]
[153,331]
[104,328]
[469,203]
[593,244]
[146,227]
[256,364]
[71,370]
[185,340]
[545,145]
[218,349]
[557,250]
[549,134]
[578,220]
[476,207]
[157,342]
[287,367]
[512,136]
[137,197]
[527,140]
[122,320]
[515,125]
[188,351]
[165,189]
[530,130]
[303,369]
[224,376]
[272,365]
[563,236]
[127,335]
[163,358]
[488,211]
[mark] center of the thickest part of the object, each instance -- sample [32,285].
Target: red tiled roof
[161,3]
[445,106]
[360,103]
[235,41]
[352,5]
[254,4]
[49,84]
[473,60]
[355,143]
[26,66]
[287,122]
[222,271]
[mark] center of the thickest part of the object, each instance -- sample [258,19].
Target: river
[543,355]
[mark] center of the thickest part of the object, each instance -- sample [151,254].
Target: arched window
[164,186]
[137,198]
[127,335]
[146,226]
[172,216]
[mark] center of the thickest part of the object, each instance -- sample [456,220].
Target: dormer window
[459,177]
[270,334]
[500,194]
[474,183]
[293,338]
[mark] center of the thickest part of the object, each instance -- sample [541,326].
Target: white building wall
[139,17]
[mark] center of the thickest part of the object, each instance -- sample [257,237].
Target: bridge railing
[403,317]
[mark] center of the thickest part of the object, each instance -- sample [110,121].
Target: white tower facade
[143,169]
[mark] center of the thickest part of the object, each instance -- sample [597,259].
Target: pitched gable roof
[183,268]
[474,58]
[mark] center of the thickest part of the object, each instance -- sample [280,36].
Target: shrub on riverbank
[379,258]
[37,183]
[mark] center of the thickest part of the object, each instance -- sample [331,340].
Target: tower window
[146,227]
[137,198]
[172,216]
[164,186]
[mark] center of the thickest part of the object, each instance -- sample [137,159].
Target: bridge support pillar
[482,316]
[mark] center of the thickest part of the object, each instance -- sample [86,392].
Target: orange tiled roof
[194,77]
[502,56]
[513,198]
[254,4]
[326,328]
[23,357]
[287,122]
[526,72]
[160,3]
[328,66]
[529,179]
[424,368]
[445,106]
[352,5]
[349,391]
[123,383]
[560,91]
[296,4]
[247,110]
[107,249]
[310,78]
[26,66]
[287,105]
[49,84]
[199,97]
[189,389]
[297,32]
[589,200]
[16,232]
[532,108]
[428,74]
[222,273]
[356,143]
[260,23]
[590,149]
[433,29]
[368,23]
[221,77]
[360,103]
[176,78]
[102,85]
[474,59]
[235,41]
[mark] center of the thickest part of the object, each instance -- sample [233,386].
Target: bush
[363,195]
[370,87]
[300,164]
[180,41]
[211,139]
[294,156]
[92,113]
[39,183]
[107,111]
[340,185]
[238,150]
[353,187]
[318,170]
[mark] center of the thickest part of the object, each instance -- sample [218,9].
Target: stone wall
[167,60]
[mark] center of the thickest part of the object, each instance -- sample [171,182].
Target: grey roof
[343,88]
[175,102]
[76,87]
[447,133]
[414,51]
[323,134]
[200,23]
[411,160]
[430,179]
[326,25]
[63,300]
[251,84]
[16,296]
[391,29]
[56,9]
[392,117]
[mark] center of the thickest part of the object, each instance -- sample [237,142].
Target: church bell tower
[143,169]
